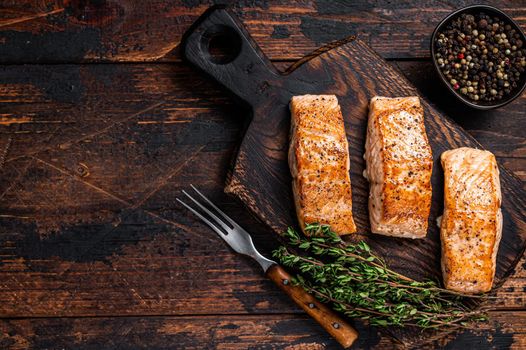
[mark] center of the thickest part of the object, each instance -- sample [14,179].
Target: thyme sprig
[359,284]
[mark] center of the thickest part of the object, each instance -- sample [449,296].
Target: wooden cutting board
[260,176]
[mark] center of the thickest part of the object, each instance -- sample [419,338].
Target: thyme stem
[359,284]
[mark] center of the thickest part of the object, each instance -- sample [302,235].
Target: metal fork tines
[236,237]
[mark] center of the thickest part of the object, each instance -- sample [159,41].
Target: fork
[241,242]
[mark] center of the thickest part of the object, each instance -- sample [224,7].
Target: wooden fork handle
[339,329]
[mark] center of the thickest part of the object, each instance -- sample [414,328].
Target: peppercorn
[482,57]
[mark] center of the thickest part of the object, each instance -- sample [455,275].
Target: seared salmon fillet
[471,226]
[398,166]
[319,163]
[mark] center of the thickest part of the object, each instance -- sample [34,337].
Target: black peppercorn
[482,57]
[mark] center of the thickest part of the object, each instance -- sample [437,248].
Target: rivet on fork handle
[240,241]
[337,327]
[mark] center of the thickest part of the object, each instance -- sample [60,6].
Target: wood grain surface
[94,251]
[229,332]
[131,30]
[260,177]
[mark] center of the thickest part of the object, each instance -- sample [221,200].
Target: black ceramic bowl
[475,10]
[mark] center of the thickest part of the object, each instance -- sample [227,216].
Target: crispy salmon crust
[319,163]
[471,226]
[399,165]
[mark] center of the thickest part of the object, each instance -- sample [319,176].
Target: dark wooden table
[102,126]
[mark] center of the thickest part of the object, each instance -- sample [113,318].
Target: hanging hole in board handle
[221,44]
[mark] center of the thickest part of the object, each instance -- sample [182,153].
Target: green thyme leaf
[358,283]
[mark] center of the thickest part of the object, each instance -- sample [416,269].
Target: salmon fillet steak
[399,164]
[319,163]
[471,226]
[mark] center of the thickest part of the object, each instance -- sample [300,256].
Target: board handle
[241,67]
[338,328]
